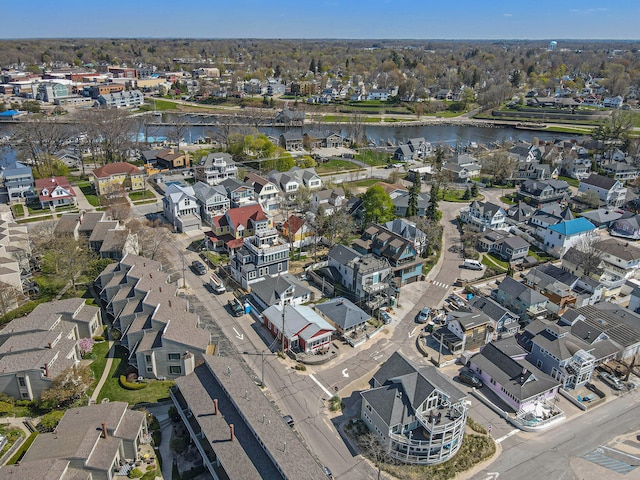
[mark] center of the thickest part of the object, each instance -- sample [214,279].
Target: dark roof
[343,254]
[620,324]
[521,292]
[600,181]
[619,249]
[490,308]
[516,377]
[343,313]
[270,290]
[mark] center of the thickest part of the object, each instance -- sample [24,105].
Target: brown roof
[115,169]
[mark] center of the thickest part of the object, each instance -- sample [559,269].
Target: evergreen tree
[312,66]
[414,192]
[474,190]
[467,194]
[319,66]
[432,212]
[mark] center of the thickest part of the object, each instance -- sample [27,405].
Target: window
[174,356]
[150,369]
[539,364]
[25,395]
[147,358]
[175,370]
[22,381]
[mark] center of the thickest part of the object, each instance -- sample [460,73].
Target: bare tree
[589,255]
[356,129]
[500,166]
[374,450]
[39,139]
[177,131]
[107,133]
[153,238]
[10,297]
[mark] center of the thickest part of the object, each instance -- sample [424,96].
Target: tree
[378,206]
[51,420]
[414,192]
[433,234]
[591,198]
[153,238]
[66,388]
[474,190]
[375,450]
[467,194]
[500,166]
[338,228]
[589,256]
[438,158]
[85,345]
[613,132]
[9,297]
[432,212]
[39,139]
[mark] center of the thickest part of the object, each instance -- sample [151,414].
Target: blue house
[18,182]
[400,252]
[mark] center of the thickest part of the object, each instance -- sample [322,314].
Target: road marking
[492,475]
[441,285]
[239,335]
[412,332]
[510,434]
[315,380]
[345,374]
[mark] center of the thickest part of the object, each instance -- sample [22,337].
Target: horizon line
[329,39]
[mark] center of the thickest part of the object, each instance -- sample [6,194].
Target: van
[472,264]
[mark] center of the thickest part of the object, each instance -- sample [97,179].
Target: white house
[610,191]
[181,207]
[561,236]
[482,216]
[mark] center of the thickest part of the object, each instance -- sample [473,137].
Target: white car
[423,315]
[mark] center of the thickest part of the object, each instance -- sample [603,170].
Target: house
[172,159]
[181,209]
[537,192]
[290,117]
[330,200]
[555,351]
[505,322]
[610,191]
[613,102]
[420,147]
[291,141]
[89,442]
[520,299]
[298,231]
[603,218]
[406,266]
[124,99]
[230,229]
[363,277]
[212,199]
[554,283]
[509,247]
[620,170]
[618,262]
[16,182]
[215,168]
[38,347]
[409,231]
[55,191]
[75,224]
[304,330]
[416,414]
[548,215]
[283,288]
[238,438]
[267,193]
[534,171]
[404,153]
[470,329]
[344,315]
[260,256]
[627,226]
[517,383]
[239,192]
[561,236]
[117,177]
[111,240]
[400,202]
[577,168]
[290,181]
[315,139]
[161,336]
[462,173]
[483,215]
[519,214]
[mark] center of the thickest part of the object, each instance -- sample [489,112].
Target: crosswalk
[440,285]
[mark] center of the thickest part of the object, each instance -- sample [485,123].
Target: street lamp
[261,353]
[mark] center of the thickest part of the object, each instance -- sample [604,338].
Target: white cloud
[508,14]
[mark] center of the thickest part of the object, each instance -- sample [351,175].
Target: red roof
[50,184]
[116,169]
[235,243]
[242,215]
[293,224]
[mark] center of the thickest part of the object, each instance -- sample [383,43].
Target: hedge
[23,448]
[129,385]
[98,338]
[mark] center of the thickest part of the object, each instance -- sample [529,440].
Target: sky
[369,19]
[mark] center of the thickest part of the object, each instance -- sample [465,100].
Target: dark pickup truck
[236,307]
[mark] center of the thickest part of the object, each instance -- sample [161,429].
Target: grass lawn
[508,200]
[18,209]
[336,165]
[12,434]
[456,196]
[23,448]
[539,255]
[571,181]
[369,182]
[89,193]
[155,390]
[494,263]
[334,118]
[97,366]
[158,105]
[372,158]
[143,195]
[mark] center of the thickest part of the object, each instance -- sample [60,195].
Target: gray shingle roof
[343,312]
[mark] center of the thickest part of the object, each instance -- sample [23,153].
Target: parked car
[423,315]
[472,264]
[198,267]
[327,472]
[469,378]
[289,420]
[611,380]
[386,318]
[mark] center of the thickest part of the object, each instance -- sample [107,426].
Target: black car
[468,378]
[198,267]
[289,420]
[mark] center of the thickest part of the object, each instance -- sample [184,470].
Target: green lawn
[539,255]
[372,157]
[158,105]
[336,165]
[23,448]
[12,434]
[18,210]
[508,200]
[141,195]
[155,390]
[334,118]
[571,181]
[495,263]
[456,196]
[88,191]
[97,366]
[369,182]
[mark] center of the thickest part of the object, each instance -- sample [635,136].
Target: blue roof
[573,227]
[9,113]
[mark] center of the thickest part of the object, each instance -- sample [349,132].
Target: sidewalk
[105,373]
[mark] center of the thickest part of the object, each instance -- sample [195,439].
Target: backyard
[336,165]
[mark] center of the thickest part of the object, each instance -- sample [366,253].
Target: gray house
[343,314]
[213,200]
[505,322]
[17,182]
[521,299]
[414,412]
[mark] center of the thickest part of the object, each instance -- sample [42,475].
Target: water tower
[552,45]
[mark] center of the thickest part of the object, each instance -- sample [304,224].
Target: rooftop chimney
[231,432]
[160,289]
[169,302]
[104,430]
[46,369]
[215,406]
